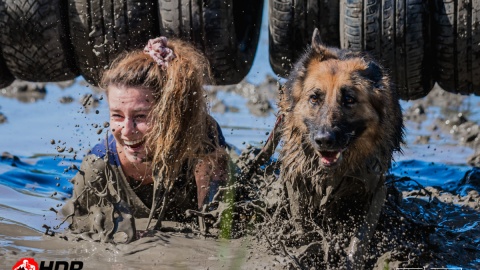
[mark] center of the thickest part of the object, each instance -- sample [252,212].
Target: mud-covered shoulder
[92,163]
[91,175]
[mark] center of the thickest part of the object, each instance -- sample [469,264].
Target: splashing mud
[430,219]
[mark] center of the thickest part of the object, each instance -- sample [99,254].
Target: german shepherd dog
[342,124]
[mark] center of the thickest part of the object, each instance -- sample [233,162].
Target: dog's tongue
[330,157]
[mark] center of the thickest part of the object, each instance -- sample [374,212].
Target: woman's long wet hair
[179,121]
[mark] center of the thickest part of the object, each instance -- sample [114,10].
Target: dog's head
[341,103]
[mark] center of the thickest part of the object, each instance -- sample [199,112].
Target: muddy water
[437,222]
[159,251]
[41,148]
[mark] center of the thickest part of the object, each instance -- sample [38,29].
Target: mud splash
[419,227]
[431,218]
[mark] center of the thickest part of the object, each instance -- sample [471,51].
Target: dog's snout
[325,139]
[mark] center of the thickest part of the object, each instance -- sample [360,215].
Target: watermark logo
[61,265]
[26,264]
[31,264]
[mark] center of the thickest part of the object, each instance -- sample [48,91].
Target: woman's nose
[129,126]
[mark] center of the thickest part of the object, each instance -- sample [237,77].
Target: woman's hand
[210,172]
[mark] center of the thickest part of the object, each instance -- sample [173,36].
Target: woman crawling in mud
[165,154]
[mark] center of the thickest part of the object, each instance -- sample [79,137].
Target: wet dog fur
[342,124]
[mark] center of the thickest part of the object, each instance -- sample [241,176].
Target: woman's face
[129,109]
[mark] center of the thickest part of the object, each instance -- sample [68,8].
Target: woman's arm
[88,177]
[210,173]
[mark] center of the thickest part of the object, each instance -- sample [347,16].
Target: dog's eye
[314,99]
[348,100]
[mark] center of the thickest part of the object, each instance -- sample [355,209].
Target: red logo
[26,264]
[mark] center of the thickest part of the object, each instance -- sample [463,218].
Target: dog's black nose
[325,139]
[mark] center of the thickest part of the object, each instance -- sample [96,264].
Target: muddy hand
[124,224]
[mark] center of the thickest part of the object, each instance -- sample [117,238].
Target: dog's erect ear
[318,46]
[316,39]
[373,73]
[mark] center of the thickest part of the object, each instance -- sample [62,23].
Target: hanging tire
[226,31]
[34,42]
[456,31]
[101,30]
[6,78]
[291,25]
[396,33]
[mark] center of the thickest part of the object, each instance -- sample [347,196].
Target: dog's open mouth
[330,158]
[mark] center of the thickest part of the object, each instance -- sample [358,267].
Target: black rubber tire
[227,32]
[247,16]
[6,78]
[396,33]
[100,30]
[456,31]
[291,25]
[34,40]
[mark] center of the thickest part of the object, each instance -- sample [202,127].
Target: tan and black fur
[342,124]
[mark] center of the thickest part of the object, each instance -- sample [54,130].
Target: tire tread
[457,45]
[395,32]
[33,41]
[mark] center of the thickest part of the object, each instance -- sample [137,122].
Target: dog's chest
[324,188]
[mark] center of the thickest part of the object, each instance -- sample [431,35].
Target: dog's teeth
[338,155]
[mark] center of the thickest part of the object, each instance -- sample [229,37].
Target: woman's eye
[141,117]
[314,99]
[116,117]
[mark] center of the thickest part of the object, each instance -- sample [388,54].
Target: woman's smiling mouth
[134,144]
